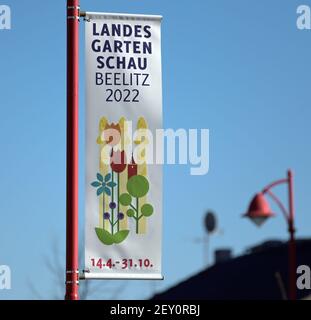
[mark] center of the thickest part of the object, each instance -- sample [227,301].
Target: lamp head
[259,210]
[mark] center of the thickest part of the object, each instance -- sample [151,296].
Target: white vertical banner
[123,219]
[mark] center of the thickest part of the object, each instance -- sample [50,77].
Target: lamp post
[259,211]
[72,268]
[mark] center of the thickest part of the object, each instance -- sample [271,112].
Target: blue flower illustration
[103,184]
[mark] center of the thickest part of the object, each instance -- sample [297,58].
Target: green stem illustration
[103,210]
[137,218]
[112,199]
[118,189]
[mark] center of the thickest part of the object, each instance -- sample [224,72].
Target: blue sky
[239,68]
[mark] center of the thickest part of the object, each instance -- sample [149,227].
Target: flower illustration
[118,165]
[103,185]
[112,205]
[118,161]
[132,168]
[106,215]
[122,185]
[120,215]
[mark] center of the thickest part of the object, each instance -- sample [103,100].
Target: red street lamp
[259,211]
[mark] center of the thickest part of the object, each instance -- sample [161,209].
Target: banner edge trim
[129,15]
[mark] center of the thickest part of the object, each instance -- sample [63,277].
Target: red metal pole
[72,267]
[291,243]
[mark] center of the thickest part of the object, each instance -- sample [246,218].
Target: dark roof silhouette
[247,277]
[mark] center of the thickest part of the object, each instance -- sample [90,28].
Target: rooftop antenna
[210,226]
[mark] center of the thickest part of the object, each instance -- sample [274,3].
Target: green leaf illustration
[130,213]
[100,177]
[104,236]
[147,210]
[120,236]
[137,186]
[96,184]
[107,177]
[100,191]
[125,199]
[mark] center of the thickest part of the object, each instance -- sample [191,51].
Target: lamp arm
[279,203]
[273,184]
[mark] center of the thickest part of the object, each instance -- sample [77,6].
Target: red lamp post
[259,211]
[72,268]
